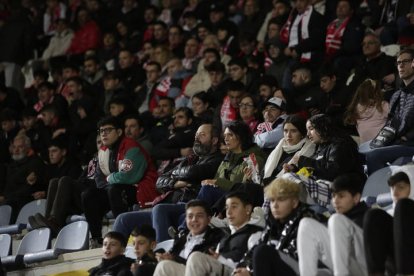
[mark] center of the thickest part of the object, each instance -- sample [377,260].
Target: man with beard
[178,185]
[24,180]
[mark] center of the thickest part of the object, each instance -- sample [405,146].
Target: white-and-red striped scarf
[304,31]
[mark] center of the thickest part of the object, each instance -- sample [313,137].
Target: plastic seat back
[5,213]
[5,244]
[34,241]
[377,182]
[73,237]
[31,208]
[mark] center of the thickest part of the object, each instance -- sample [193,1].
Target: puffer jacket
[285,233]
[231,169]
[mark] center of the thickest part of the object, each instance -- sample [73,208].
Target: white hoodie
[409,170]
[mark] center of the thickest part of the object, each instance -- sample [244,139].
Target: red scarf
[227,112]
[334,35]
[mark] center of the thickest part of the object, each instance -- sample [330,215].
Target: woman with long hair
[239,142]
[293,144]
[367,110]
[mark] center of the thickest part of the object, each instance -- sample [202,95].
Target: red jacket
[86,38]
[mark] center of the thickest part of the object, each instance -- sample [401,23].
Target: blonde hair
[281,187]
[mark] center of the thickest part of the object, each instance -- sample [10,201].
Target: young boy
[198,238]
[388,234]
[231,248]
[340,245]
[114,261]
[144,244]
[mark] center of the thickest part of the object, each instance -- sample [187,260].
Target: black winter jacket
[118,266]
[338,156]
[210,240]
[193,169]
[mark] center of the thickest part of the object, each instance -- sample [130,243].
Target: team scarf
[227,112]
[334,33]
[304,30]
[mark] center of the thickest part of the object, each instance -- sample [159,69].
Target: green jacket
[231,168]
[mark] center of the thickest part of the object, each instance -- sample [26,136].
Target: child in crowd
[144,244]
[388,234]
[339,246]
[114,261]
[199,237]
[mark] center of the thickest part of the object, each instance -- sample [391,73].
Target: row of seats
[34,246]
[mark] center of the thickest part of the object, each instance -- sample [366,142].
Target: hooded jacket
[409,170]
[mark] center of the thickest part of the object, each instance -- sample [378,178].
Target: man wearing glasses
[401,119]
[125,174]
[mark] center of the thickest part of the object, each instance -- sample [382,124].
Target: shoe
[49,223]
[34,223]
[95,243]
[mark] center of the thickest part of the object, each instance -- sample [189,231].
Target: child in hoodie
[339,245]
[388,234]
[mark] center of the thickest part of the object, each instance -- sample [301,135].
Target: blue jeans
[210,194]
[126,222]
[165,215]
[378,158]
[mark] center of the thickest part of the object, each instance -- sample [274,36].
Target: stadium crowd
[258,117]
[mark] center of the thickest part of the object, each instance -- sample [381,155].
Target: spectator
[145,93]
[368,110]
[63,170]
[128,38]
[388,244]
[191,57]
[238,71]
[228,110]
[201,104]
[374,64]
[122,164]
[336,153]
[217,90]
[55,10]
[134,129]
[336,95]
[87,35]
[270,132]
[284,213]
[46,94]
[239,142]
[343,38]
[307,45]
[403,119]
[293,145]
[179,183]
[60,41]
[176,41]
[201,81]
[306,95]
[178,143]
[163,118]
[276,62]
[144,244]
[9,129]
[93,74]
[253,18]
[340,245]
[132,75]
[114,261]
[199,237]
[248,112]
[268,84]
[112,88]
[230,249]
[25,178]
[280,9]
